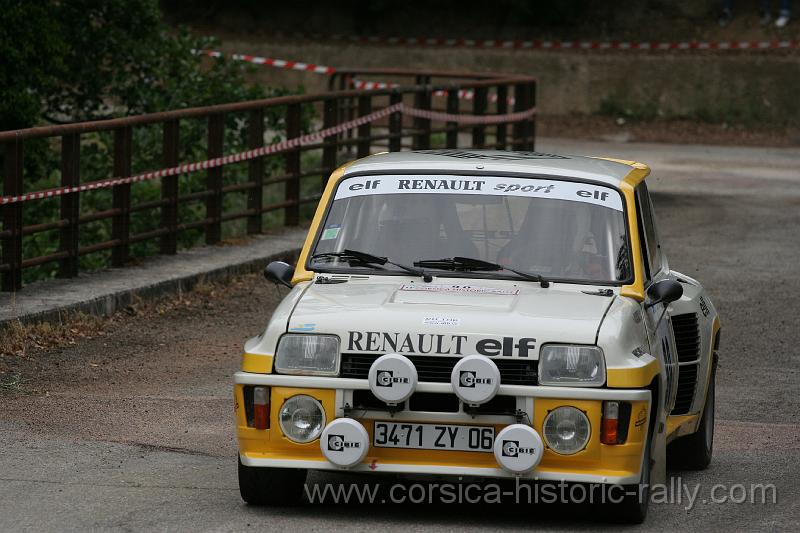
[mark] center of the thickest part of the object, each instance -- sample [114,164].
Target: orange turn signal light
[261,407]
[609,433]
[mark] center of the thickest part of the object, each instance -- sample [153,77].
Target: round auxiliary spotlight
[475,379]
[518,448]
[392,378]
[344,442]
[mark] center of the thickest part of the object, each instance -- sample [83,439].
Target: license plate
[433,437]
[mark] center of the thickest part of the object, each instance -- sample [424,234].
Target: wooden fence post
[255,172]
[532,120]
[479,108]
[330,150]
[216,147]
[121,221]
[502,109]
[292,195]
[519,128]
[452,109]
[12,217]
[422,126]
[169,188]
[70,205]
[395,124]
[365,130]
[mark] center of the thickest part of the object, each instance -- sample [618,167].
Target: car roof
[605,170]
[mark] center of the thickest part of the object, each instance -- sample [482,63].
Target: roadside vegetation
[19,342]
[85,60]
[18,339]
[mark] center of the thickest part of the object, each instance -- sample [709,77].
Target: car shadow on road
[448,503]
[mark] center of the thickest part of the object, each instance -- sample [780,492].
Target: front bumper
[597,463]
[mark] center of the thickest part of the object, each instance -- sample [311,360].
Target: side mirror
[279,272]
[664,291]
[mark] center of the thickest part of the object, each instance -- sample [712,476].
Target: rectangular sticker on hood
[573,191]
[441,321]
[465,289]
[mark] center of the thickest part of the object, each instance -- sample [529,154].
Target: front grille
[436,403]
[687,343]
[437,369]
[430,401]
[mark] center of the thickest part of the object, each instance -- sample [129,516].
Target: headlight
[302,418]
[308,354]
[570,365]
[566,430]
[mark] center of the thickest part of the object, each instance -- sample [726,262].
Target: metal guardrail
[429,91]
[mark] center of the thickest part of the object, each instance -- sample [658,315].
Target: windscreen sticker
[480,185]
[465,289]
[331,232]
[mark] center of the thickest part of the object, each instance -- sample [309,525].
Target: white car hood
[449,317]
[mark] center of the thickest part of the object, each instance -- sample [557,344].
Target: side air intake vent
[687,342]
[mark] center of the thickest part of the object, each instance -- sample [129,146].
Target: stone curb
[105,292]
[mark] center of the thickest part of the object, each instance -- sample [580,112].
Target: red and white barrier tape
[372,85]
[322,69]
[565,45]
[272,62]
[282,146]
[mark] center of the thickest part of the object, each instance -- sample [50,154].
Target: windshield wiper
[373,260]
[466,264]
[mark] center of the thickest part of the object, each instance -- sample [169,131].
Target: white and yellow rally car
[480,314]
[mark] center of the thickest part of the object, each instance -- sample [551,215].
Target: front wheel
[271,486]
[633,507]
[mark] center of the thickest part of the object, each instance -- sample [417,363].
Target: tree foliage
[66,61]
[75,60]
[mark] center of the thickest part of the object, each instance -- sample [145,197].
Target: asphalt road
[132,430]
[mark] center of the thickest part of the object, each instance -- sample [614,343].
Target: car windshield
[562,230]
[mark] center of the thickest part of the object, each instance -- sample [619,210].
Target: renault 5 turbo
[482,314]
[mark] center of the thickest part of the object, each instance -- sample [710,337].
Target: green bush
[92,59]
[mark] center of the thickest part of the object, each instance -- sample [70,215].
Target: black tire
[633,507]
[271,486]
[693,452]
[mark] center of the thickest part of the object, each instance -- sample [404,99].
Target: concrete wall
[737,87]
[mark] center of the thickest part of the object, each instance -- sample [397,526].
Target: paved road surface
[133,430]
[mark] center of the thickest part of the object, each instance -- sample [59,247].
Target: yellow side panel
[637,174]
[633,378]
[256,363]
[679,425]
